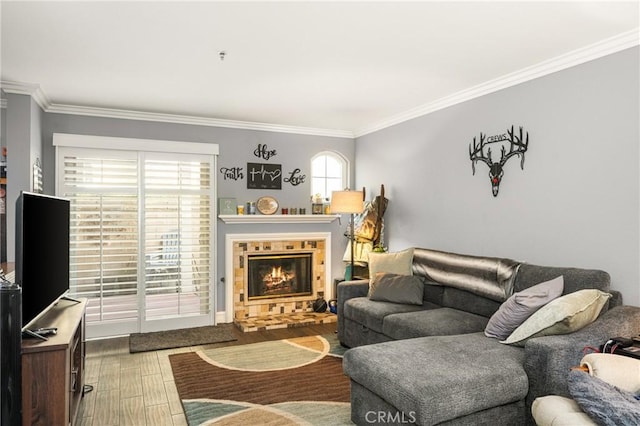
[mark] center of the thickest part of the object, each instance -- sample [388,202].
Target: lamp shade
[347,202]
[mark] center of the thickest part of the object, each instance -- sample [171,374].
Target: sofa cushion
[522,305]
[371,313]
[395,263]
[432,322]
[467,301]
[440,378]
[563,315]
[574,278]
[433,293]
[396,288]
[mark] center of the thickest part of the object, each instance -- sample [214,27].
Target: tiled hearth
[277,312]
[271,322]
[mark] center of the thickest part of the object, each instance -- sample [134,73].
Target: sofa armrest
[617,370]
[549,358]
[348,290]
[616,298]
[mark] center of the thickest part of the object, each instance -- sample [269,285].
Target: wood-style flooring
[138,389]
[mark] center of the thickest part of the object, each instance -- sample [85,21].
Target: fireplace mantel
[233,219]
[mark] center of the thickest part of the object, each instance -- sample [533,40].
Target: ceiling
[347,67]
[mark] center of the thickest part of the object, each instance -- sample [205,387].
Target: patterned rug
[296,381]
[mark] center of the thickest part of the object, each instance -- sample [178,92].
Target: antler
[516,147]
[476,153]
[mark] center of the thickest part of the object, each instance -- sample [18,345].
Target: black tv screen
[42,252]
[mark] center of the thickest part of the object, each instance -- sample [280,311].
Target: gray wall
[576,203]
[236,149]
[24,140]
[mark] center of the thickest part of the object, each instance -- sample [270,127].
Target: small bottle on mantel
[251,207]
[327,206]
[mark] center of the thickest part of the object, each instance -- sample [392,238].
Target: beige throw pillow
[563,315]
[400,263]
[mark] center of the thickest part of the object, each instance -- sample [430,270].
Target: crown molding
[193,120]
[33,90]
[594,51]
[36,92]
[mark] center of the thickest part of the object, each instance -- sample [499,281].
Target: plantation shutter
[177,220]
[103,190]
[142,232]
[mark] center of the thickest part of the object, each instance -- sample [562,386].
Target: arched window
[329,172]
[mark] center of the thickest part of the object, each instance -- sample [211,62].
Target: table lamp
[348,202]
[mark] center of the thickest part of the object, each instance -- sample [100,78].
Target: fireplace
[310,250]
[279,275]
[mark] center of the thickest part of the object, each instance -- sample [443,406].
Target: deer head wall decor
[517,146]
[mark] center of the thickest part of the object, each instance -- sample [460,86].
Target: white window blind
[142,236]
[177,220]
[103,231]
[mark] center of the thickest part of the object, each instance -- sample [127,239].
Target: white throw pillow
[400,263]
[563,315]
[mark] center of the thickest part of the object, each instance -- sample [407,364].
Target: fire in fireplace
[279,275]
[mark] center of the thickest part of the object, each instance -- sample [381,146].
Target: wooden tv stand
[53,370]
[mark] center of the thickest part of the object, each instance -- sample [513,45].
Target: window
[142,233]
[329,172]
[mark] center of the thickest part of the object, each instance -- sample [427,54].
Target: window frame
[344,162]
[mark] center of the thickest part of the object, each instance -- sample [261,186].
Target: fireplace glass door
[279,275]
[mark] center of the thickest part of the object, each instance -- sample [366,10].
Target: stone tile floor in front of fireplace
[273,322]
[138,389]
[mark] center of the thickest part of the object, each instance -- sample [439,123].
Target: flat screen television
[42,253]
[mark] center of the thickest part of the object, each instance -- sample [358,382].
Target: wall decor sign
[232,173]
[264,153]
[295,177]
[264,176]
[509,143]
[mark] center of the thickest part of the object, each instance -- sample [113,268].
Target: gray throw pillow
[520,306]
[604,403]
[396,288]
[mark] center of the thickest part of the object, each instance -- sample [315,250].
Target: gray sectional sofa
[432,363]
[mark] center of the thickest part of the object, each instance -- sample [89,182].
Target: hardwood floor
[138,389]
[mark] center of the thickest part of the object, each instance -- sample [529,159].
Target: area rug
[142,342]
[296,381]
